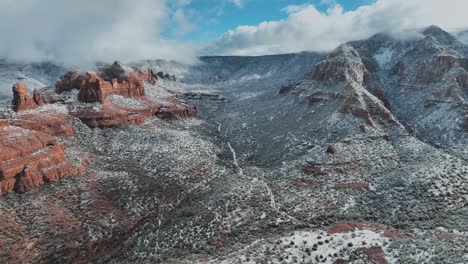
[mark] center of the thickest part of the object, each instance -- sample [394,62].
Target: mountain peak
[438,33]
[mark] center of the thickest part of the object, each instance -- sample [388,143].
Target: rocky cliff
[31,159]
[22,100]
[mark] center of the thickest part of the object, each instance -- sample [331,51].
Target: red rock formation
[175,108]
[112,115]
[38,97]
[22,100]
[50,97]
[94,88]
[4,123]
[114,81]
[30,159]
[69,81]
[49,121]
[175,111]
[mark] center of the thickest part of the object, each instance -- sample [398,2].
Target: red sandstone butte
[30,159]
[114,81]
[22,100]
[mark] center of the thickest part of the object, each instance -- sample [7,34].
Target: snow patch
[384,57]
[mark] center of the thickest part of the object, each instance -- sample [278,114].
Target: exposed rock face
[114,80]
[38,97]
[112,115]
[166,76]
[343,65]
[22,100]
[4,123]
[69,81]
[51,97]
[117,80]
[441,35]
[176,110]
[123,74]
[47,121]
[204,96]
[30,159]
[94,88]
[331,149]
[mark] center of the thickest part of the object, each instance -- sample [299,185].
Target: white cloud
[306,28]
[81,32]
[238,3]
[185,24]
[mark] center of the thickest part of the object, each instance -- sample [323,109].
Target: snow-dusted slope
[36,76]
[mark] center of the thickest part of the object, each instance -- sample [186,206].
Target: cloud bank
[82,32]
[306,28]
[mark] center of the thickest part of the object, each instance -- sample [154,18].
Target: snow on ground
[130,102]
[384,57]
[307,247]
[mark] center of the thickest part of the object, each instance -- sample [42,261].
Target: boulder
[331,149]
[22,100]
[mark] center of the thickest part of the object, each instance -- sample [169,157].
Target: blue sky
[212,18]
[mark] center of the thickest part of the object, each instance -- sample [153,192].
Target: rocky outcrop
[440,35]
[118,81]
[38,98]
[176,110]
[343,65]
[48,121]
[4,123]
[204,96]
[51,97]
[30,159]
[109,115]
[69,81]
[166,76]
[22,100]
[93,88]
[112,80]
[123,74]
